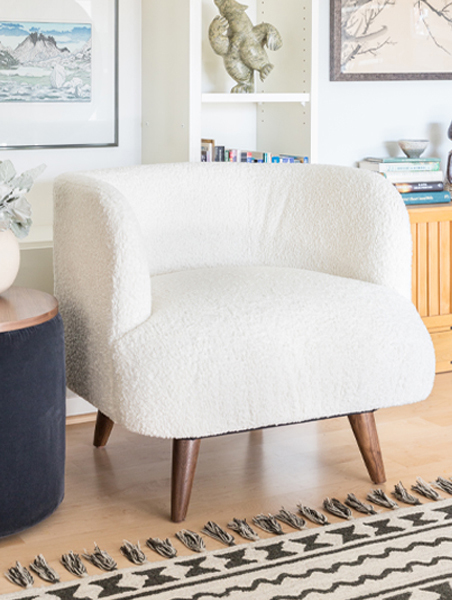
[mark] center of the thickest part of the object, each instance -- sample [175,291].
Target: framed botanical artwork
[390,39]
[58,74]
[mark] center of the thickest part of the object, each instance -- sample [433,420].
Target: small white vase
[9,259]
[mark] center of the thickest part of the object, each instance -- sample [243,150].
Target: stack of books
[419,180]
[212,153]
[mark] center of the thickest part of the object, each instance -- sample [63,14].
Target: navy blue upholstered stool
[32,408]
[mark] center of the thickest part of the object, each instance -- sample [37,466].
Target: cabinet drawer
[442,341]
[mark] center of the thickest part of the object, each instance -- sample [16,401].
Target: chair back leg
[365,430]
[185,456]
[102,431]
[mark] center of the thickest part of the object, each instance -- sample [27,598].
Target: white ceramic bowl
[413,148]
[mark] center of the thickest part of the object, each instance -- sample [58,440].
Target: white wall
[358,119]
[63,160]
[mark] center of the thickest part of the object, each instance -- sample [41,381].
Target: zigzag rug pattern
[397,555]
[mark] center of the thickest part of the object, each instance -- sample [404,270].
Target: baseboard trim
[79,419]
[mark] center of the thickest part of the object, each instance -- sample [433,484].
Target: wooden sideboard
[431,229]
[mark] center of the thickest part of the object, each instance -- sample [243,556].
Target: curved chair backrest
[339,220]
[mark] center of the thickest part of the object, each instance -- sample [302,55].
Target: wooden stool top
[23,307]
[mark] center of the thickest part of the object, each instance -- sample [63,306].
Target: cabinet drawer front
[442,341]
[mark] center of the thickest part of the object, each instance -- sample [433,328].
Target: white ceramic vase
[9,259]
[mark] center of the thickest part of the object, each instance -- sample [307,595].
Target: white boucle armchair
[202,299]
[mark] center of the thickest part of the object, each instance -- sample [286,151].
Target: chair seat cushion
[235,348]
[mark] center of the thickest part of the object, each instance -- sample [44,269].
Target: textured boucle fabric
[200,299]
[101,278]
[337,220]
[232,348]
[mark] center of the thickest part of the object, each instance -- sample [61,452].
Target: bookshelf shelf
[214,98]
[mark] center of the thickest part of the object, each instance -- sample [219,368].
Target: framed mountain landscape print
[390,39]
[58,73]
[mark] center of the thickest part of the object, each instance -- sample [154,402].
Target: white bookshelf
[186,90]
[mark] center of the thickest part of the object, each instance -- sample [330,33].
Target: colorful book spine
[246,156]
[402,159]
[207,150]
[296,158]
[232,154]
[389,167]
[219,153]
[421,186]
[414,176]
[430,198]
[257,157]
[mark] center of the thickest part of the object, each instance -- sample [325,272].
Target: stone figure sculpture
[242,45]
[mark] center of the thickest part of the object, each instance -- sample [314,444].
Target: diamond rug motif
[404,554]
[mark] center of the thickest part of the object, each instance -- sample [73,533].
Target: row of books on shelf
[419,180]
[212,153]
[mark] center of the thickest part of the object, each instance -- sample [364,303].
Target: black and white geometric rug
[404,554]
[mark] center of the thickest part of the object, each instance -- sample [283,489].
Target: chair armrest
[366,229]
[339,220]
[102,278]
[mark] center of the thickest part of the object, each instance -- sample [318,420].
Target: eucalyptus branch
[15,210]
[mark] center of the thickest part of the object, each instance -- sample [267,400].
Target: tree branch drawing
[430,14]
[360,32]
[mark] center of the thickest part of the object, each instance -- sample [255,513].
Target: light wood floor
[122,491]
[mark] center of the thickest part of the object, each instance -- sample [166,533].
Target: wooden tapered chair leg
[365,430]
[185,456]
[102,431]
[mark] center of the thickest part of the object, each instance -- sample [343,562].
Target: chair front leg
[365,430]
[185,456]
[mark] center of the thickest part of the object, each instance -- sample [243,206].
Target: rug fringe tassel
[353,502]
[191,539]
[163,547]
[218,533]
[335,507]
[313,515]
[424,489]
[73,563]
[243,529]
[268,523]
[291,519]
[401,493]
[20,575]
[379,497]
[101,559]
[444,484]
[133,552]
[43,570]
